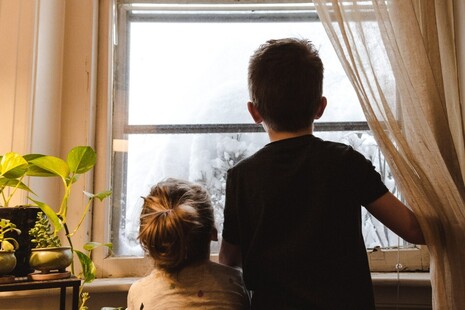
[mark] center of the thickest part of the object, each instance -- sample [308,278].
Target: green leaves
[13,166]
[49,166]
[100,196]
[42,233]
[81,159]
[89,271]
[8,244]
[4,182]
[89,246]
[50,213]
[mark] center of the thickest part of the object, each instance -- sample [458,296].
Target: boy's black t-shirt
[294,207]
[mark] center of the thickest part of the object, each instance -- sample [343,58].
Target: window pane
[203,158]
[195,73]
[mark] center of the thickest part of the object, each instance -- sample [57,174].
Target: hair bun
[176,222]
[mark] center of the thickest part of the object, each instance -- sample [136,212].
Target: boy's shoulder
[307,144]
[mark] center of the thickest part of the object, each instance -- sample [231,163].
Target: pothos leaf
[13,165]
[50,213]
[88,267]
[4,182]
[100,196]
[53,165]
[89,246]
[34,170]
[81,159]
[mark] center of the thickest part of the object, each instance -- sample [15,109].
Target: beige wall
[17,63]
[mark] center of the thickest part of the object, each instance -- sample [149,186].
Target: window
[179,106]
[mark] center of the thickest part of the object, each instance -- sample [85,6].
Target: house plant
[7,250]
[79,161]
[48,255]
[13,170]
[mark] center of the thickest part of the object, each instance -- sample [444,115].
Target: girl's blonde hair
[176,223]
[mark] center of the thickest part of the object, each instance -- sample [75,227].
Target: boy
[292,217]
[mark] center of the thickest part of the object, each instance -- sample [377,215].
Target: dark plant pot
[24,217]
[7,262]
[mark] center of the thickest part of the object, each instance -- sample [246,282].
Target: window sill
[418,279]
[406,290]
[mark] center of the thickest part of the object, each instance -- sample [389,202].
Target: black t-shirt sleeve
[370,185]
[231,223]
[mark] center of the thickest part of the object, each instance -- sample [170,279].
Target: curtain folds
[400,56]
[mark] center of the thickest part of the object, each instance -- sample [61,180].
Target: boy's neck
[282,135]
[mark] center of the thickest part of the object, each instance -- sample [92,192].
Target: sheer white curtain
[401,58]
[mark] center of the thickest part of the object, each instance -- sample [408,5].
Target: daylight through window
[180,85]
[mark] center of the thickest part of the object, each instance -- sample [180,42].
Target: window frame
[108,266]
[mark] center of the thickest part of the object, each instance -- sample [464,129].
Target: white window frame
[413,259]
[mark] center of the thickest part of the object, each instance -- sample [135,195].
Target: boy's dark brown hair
[176,224]
[286,83]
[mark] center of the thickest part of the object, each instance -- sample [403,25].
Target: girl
[177,226]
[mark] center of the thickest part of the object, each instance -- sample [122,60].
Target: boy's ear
[254,113]
[321,108]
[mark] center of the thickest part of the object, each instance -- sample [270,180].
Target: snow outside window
[180,84]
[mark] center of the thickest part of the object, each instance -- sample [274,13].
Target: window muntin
[189,110]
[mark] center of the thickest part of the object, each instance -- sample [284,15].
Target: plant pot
[51,259]
[24,217]
[7,262]
[7,265]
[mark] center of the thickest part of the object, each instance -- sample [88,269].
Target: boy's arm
[230,254]
[397,217]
